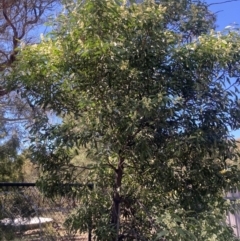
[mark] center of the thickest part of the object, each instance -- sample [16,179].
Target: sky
[228,13]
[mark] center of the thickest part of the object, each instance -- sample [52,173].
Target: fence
[25,214]
[233,219]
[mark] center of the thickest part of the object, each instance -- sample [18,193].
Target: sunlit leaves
[152,108]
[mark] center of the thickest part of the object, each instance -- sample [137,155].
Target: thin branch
[84,167]
[111,165]
[13,119]
[228,1]
[9,22]
[4,54]
[237,80]
[149,215]
[218,12]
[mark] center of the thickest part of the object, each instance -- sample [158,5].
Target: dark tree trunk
[115,219]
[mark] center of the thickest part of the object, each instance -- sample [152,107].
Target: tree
[19,23]
[19,20]
[10,162]
[15,165]
[150,90]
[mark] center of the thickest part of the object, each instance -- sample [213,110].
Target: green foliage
[15,164]
[10,162]
[150,91]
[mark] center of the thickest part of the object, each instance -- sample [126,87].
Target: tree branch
[228,1]
[13,119]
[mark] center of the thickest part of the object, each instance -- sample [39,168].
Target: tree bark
[115,219]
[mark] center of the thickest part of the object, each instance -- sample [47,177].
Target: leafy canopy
[150,91]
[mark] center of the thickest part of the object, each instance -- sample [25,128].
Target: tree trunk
[115,219]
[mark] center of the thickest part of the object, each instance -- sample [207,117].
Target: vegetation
[150,91]
[19,20]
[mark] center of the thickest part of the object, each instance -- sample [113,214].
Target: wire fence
[25,214]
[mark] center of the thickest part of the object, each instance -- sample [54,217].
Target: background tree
[21,22]
[10,162]
[17,20]
[146,90]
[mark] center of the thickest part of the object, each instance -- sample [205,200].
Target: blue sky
[228,13]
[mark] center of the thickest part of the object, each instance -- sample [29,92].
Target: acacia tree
[150,90]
